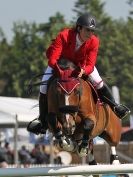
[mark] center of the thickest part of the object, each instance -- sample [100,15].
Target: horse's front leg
[90,156]
[64,142]
[83,147]
[67,144]
[54,125]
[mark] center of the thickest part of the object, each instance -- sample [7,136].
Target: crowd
[36,155]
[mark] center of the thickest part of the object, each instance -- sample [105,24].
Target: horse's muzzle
[68,109]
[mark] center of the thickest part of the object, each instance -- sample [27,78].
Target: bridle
[72,110]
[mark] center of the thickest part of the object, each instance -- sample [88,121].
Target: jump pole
[71,170]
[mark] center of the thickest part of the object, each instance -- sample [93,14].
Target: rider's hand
[82,71]
[78,72]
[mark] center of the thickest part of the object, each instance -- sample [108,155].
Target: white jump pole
[73,170]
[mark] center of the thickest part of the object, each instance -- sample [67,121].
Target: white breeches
[94,78]
[48,72]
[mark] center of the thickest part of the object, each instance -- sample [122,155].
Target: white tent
[17,112]
[23,109]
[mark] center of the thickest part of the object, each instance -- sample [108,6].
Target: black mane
[66,64]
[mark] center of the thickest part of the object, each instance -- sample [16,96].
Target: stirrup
[35,127]
[127,111]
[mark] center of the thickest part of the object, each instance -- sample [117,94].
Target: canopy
[14,109]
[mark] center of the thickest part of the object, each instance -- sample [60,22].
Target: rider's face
[85,33]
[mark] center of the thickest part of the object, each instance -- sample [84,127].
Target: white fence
[68,170]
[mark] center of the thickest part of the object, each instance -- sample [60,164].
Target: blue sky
[40,10]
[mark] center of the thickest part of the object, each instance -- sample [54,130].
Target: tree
[24,59]
[4,55]
[130,2]
[50,30]
[26,56]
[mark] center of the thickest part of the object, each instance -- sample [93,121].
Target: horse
[76,115]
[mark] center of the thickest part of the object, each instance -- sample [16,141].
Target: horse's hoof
[116,162]
[93,162]
[67,144]
[82,151]
[114,159]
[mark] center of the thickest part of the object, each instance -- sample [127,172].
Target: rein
[31,84]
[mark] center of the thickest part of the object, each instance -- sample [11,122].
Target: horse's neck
[87,93]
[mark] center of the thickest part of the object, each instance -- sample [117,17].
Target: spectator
[40,156]
[9,153]
[58,160]
[3,163]
[25,156]
[123,175]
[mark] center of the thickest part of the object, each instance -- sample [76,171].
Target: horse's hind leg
[113,156]
[113,143]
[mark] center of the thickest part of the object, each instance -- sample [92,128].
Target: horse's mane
[66,64]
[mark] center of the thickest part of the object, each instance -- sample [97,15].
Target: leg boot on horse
[84,146]
[90,159]
[64,142]
[40,125]
[106,96]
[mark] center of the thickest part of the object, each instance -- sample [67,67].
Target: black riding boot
[43,110]
[40,125]
[106,96]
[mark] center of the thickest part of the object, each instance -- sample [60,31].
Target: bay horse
[76,116]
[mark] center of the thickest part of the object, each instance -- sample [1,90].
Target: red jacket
[64,46]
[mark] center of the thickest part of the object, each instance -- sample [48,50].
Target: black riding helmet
[87,20]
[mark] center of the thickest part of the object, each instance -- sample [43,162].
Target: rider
[79,45]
